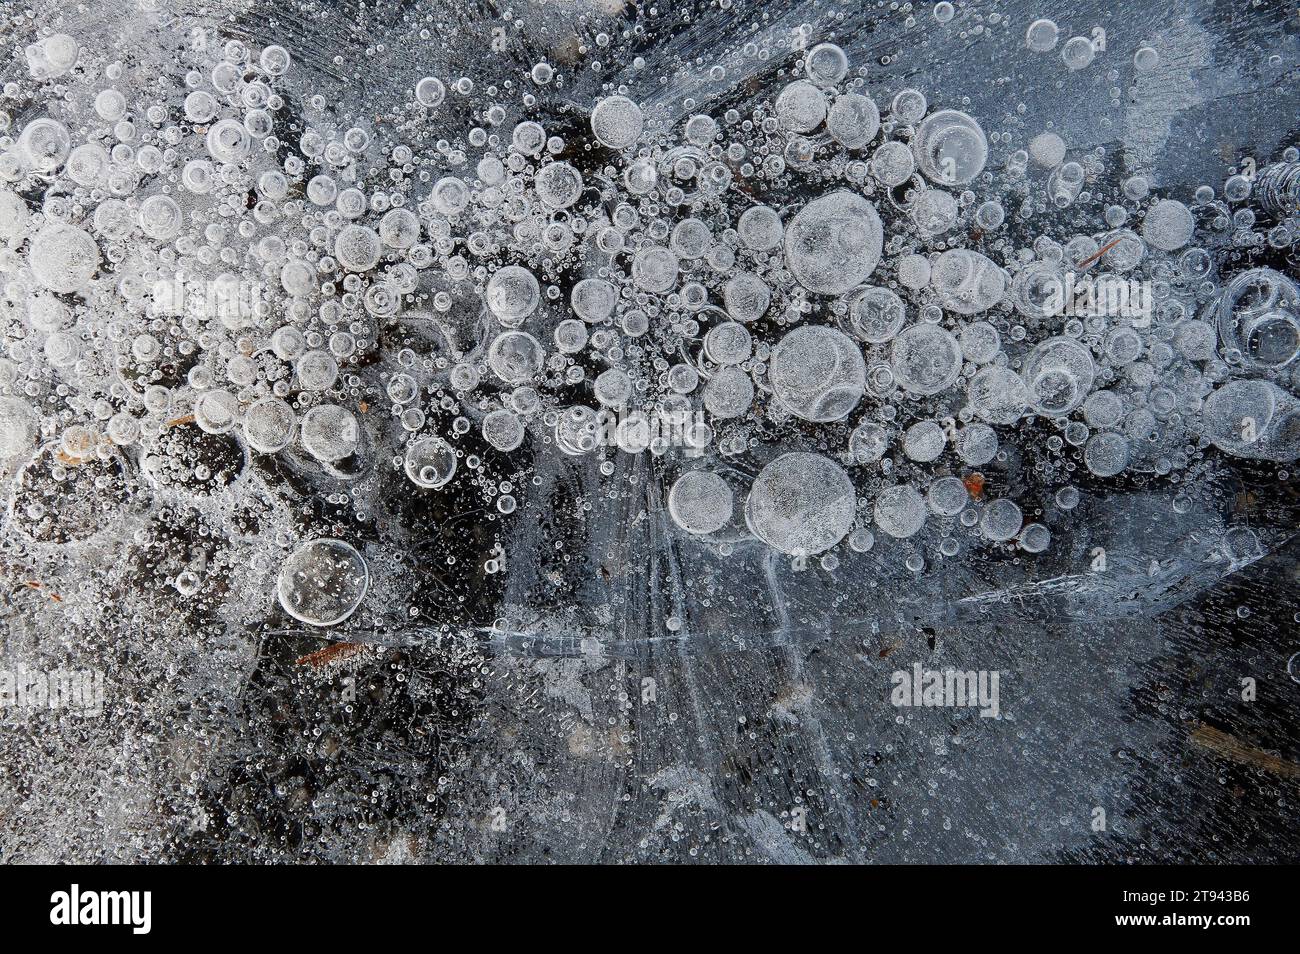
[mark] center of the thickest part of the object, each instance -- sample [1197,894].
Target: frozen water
[550,436]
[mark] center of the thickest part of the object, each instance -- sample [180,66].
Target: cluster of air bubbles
[842,317]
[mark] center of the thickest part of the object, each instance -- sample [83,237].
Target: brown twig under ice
[335,652]
[1097,254]
[33,585]
[1217,742]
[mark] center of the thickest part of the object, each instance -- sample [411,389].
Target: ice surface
[577,432]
